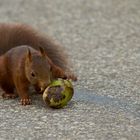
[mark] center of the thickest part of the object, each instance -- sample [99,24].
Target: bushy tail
[12,35]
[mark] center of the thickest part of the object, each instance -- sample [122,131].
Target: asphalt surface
[103,42]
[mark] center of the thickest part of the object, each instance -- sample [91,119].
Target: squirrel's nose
[43,87]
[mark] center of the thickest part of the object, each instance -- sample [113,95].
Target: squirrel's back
[12,35]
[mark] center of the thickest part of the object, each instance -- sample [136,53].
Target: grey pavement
[102,38]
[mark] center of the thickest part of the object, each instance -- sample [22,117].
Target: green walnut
[58,93]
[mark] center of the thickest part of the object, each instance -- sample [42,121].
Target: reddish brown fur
[13,72]
[12,35]
[16,67]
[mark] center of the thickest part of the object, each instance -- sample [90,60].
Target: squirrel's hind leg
[9,91]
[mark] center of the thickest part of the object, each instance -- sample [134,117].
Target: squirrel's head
[38,69]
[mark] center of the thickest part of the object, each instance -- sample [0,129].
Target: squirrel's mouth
[39,89]
[42,89]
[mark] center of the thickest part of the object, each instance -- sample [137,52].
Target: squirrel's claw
[25,101]
[70,76]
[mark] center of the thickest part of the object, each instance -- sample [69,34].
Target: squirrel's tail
[12,35]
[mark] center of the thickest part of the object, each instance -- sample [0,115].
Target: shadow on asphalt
[86,97]
[89,97]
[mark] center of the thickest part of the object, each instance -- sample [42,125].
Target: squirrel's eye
[32,74]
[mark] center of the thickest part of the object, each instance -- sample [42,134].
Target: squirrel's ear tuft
[29,55]
[42,51]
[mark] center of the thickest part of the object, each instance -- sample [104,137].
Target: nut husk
[58,93]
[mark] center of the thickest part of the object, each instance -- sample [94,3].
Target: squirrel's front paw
[70,76]
[26,101]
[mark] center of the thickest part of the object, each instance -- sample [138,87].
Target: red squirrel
[29,58]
